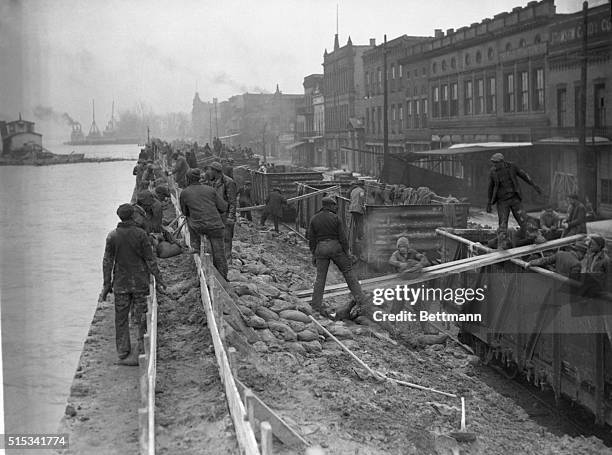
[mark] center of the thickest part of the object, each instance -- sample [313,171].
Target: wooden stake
[231,354]
[266,439]
[249,402]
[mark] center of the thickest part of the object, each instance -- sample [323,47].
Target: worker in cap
[567,263]
[274,208]
[227,189]
[179,170]
[575,223]
[505,192]
[406,259]
[357,211]
[204,208]
[127,266]
[597,259]
[327,241]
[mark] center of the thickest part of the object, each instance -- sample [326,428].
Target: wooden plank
[291,200]
[244,434]
[142,428]
[266,439]
[463,265]
[281,430]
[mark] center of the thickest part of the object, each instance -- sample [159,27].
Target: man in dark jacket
[327,241]
[576,217]
[505,191]
[128,262]
[190,157]
[180,169]
[244,199]
[203,207]
[274,207]
[567,263]
[153,211]
[226,188]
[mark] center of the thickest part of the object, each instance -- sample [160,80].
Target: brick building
[308,138]
[343,93]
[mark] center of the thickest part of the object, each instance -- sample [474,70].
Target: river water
[53,225]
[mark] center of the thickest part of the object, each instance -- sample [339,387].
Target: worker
[549,223]
[357,209]
[566,263]
[504,190]
[575,223]
[162,193]
[153,211]
[327,241]
[228,168]
[203,206]
[180,170]
[405,259]
[190,157]
[244,199]
[127,265]
[274,208]
[226,188]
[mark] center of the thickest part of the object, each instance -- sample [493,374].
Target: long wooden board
[462,266]
[291,200]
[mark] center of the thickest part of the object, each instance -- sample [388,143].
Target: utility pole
[586,166]
[263,142]
[216,119]
[210,126]
[385,169]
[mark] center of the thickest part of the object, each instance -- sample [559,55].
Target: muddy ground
[319,390]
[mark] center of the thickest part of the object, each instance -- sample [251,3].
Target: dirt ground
[316,387]
[104,396]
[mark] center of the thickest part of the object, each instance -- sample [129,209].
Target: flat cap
[497,157]
[216,166]
[125,212]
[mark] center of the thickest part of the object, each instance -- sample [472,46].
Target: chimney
[438,33]
[372,41]
[450,31]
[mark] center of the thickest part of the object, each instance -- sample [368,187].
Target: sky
[62,54]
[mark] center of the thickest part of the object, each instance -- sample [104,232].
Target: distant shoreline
[73,161]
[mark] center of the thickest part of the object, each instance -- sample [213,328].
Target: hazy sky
[155,51]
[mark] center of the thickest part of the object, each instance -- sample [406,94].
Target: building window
[379,80]
[561,107]
[523,102]
[467,59]
[468,99]
[509,93]
[453,63]
[401,116]
[454,104]
[478,57]
[409,114]
[368,120]
[401,71]
[600,105]
[367,84]
[606,191]
[538,96]
[416,72]
[424,116]
[392,71]
[378,120]
[415,91]
[537,39]
[522,42]
[434,67]
[490,53]
[435,97]
[444,110]
[577,110]
[443,65]
[491,102]
[393,119]
[480,96]
[508,47]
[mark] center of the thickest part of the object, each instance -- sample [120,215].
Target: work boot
[130,361]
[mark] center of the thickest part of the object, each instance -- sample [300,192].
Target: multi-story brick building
[398,90]
[308,139]
[343,93]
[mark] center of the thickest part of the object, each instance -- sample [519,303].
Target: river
[53,224]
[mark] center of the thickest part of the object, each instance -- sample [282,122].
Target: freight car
[535,323]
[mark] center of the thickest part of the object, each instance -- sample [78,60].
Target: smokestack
[372,41]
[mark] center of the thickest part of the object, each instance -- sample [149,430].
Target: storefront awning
[292,146]
[472,148]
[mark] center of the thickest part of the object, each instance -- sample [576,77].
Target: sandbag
[307,335]
[168,250]
[256,322]
[295,315]
[266,314]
